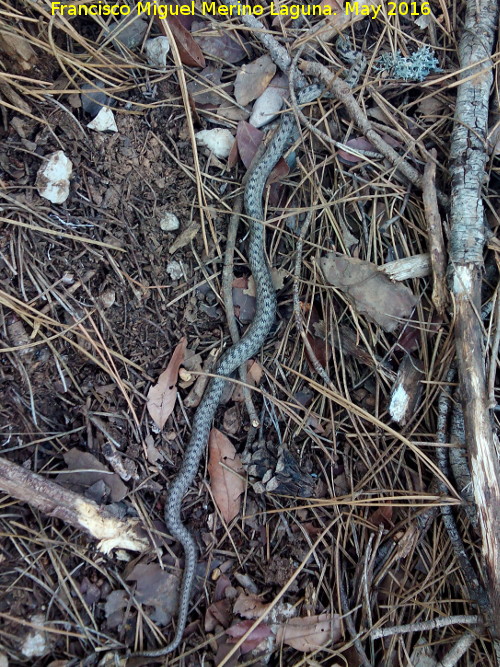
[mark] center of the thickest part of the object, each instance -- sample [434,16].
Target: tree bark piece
[467,167]
[72,508]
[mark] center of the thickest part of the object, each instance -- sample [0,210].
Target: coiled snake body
[246,347]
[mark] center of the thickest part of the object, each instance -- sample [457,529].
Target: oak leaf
[162,396]
[226,475]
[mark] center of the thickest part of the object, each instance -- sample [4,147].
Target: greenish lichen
[414,67]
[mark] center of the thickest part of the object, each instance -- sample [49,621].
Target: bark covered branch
[72,508]
[468,157]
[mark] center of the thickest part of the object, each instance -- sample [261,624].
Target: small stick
[342,92]
[476,590]
[424,626]
[457,650]
[435,230]
[227,297]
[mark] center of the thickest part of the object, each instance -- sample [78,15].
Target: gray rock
[94,100]
[128,32]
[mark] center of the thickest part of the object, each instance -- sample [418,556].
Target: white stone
[218,140]
[104,121]
[266,107]
[399,404]
[174,270]
[169,222]
[52,180]
[156,52]
[35,645]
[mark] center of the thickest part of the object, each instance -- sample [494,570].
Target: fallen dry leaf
[243,300]
[248,139]
[218,613]
[253,79]
[156,588]
[310,633]
[254,376]
[207,88]
[162,396]
[231,422]
[189,51]
[382,515]
[226,475]
[250,606]
[185,237]
[114,608]
[217,42]
[257,636]
[87,470]
[362,144]
[18,48]
[320,346]
[372,293]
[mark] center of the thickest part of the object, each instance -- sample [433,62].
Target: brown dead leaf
[338,16]
[156,588]
[207,88]
[218,613]
[254,373]
[253,79]
[254,376]
[382,515]
[244,301]
[217,42]
[87,470]
[362,144]
[18,48]
[257,635]
[185,237]
[248,139]
[373,294]
[310,633]
[226,475]
[162,396]
[115,607]
[250,606]
[430,107]
[231,422]
[320,345]
[189,51]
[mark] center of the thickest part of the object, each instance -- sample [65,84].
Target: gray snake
[246,347]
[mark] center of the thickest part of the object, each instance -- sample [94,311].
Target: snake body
[246,347]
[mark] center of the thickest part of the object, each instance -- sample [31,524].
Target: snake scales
[246,347]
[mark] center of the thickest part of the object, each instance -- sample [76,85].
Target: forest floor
[338,515]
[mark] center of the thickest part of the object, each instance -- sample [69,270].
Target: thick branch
[467,167]
[72,508]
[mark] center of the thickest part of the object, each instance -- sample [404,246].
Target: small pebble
[94,100]
[219,141]
[169,222]
[174,270]
[128,32]
[107,298]
[52,179]
[104,121]
[156,52]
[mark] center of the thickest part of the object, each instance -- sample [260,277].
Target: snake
[248,345]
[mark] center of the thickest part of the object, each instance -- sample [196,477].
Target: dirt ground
[96,296]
